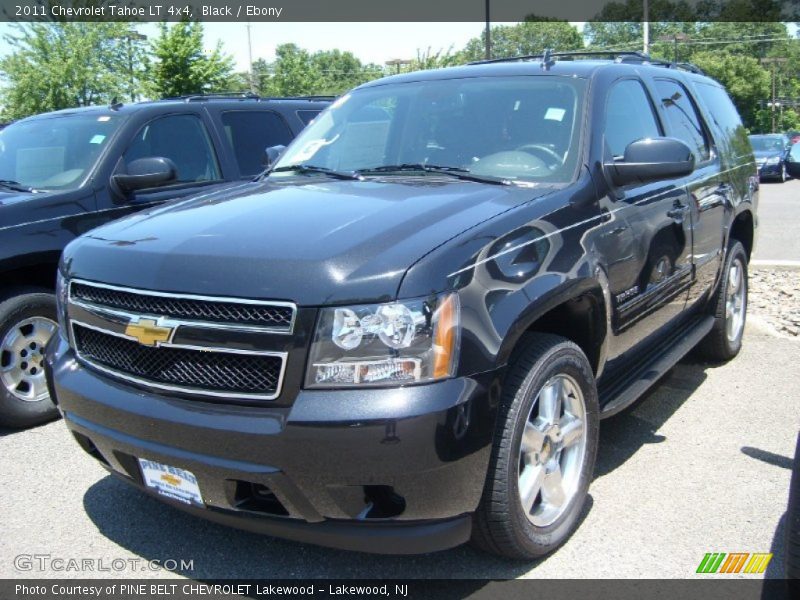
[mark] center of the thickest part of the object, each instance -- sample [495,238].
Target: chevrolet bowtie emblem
[148,332]
[171,479]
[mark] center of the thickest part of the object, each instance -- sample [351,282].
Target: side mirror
[146,173]
[652,159]
[272,154]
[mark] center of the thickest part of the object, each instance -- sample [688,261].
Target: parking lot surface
[779,222]
[701,464]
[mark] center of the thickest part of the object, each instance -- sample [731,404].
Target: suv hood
[323,242]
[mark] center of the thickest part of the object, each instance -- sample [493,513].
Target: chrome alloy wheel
[22,358]
[735,300]
[552,450]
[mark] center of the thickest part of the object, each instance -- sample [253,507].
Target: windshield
[513,128]
[767,143]
[54,152]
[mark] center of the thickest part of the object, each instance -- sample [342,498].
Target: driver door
[648,237]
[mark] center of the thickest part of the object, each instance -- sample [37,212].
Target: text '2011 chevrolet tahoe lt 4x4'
[405,334]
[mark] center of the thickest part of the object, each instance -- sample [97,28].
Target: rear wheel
[729,307]
[27,321]
[544,452]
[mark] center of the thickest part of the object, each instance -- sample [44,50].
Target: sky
[370,42]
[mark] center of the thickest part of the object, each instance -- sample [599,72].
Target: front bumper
[382,470]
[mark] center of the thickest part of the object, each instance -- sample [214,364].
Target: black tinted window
[250,132]
[181,138]
[629,116]
[682,116]
[306,116]
[724,114]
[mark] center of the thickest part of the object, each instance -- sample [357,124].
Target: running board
[623,391]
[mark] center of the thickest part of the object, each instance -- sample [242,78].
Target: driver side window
[629,116]
[184,140]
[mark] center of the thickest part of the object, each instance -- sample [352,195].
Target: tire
[793,523]
[721,344]
[501,525]
[25,319]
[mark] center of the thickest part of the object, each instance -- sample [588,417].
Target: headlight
[773,160]
[408,341]
[62,292]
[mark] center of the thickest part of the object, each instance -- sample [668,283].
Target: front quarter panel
[514,268]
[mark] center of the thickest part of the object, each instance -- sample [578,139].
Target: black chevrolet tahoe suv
[404,335]
[66,172]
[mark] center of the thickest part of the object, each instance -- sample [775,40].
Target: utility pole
[488,33]
[773,104]
[674,38]
[250,76]
[646,27]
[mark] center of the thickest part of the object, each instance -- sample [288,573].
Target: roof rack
[242,96]
[548,59]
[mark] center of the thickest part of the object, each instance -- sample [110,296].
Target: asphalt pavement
[779,222]
[701,464]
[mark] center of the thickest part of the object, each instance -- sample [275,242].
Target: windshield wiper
[14,185]
[353,175]
[457,172]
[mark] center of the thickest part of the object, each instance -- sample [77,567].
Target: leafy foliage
[529,37]
[182,67]
[63,65]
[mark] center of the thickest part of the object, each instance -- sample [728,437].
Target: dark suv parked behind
[64,173]
[404,336]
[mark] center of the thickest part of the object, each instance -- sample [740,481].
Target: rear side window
[249,133]
[683,118]
[306,116]
[726,117]
[184,140]
[629,116]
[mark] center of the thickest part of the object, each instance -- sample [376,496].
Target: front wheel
[27,321]
[544,452]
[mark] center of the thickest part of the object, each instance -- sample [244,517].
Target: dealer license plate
[172,482]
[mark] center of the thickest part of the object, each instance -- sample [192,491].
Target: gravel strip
[775,298]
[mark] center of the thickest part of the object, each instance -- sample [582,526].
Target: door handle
[678,211]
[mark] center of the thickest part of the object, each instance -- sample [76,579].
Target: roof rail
[548,58]
[311,97]
[241,96]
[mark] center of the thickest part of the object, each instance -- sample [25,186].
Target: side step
[624,390]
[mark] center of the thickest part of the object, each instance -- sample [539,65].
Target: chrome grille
[216,372]
[272,316]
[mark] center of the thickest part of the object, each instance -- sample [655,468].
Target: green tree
[182,67]
[428,59]
[262,78]
[63,65]
[294,73]
[341,71]
[529,37]
[747,82]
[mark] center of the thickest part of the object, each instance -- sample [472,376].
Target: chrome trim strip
[288,330]
[177,388]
